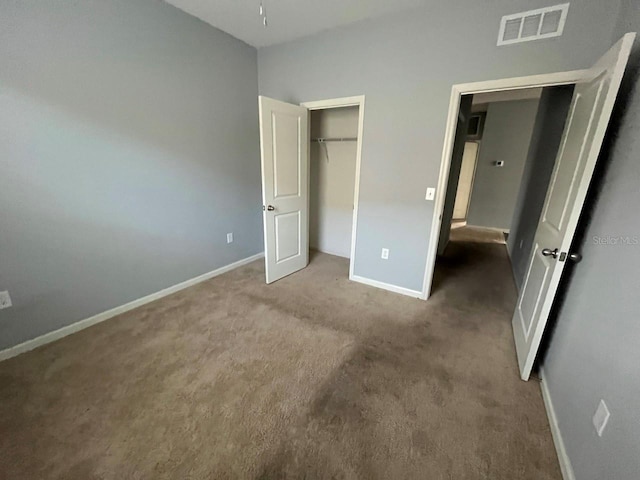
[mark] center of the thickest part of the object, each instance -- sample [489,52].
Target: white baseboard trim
[561,451]
[386,286]
[101,317]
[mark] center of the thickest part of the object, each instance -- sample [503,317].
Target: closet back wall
[129,148]
[332,182]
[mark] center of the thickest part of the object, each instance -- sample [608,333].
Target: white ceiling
[287,19]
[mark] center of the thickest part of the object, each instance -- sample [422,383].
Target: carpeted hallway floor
[312,377]
[467,233]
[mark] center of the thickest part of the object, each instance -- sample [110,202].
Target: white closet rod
[337,139]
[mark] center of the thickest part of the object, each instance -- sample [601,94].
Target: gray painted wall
[541,158]
[405,64]
[128,149]
[594,352]
[506,137]
[454,171]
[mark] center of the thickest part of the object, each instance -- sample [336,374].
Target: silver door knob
[547,252]
[575,257]
[271,208]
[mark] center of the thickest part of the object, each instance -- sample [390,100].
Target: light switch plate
[5,300]
[431,193]
[601,418]
[385,254]
[229,237]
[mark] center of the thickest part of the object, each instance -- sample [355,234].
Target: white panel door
[465,181]
[284,145]
[589,114]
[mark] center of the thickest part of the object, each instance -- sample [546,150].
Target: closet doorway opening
[285,150]
[335,134]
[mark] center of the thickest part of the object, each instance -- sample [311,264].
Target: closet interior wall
[332,179]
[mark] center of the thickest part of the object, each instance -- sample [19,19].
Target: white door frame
[515,83]
[473,179]
[357,101]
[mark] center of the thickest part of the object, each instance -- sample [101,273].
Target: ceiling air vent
[533,25]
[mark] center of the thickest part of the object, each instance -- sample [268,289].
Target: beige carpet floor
[313,377]
[467,233]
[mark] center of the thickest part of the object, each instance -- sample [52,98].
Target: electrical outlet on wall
[5,300]
[230,237]
[431,193]
[385,254]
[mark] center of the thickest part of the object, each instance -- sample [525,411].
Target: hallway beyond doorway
[460,232]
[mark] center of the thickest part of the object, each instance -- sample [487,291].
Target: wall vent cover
[533,25]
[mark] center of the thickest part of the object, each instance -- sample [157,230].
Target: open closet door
[284,145]
[589,114]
